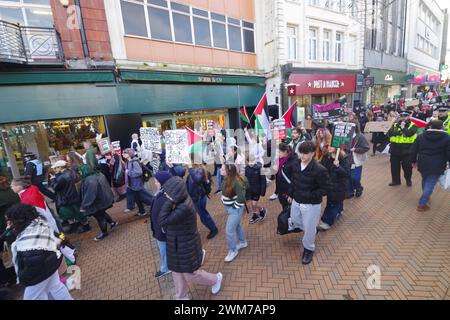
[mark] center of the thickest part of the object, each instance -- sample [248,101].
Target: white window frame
[310,40]
[326,43]
[23,6]
[243,40]
[339,44]
[293,38]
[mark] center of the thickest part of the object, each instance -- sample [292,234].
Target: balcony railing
[29,45]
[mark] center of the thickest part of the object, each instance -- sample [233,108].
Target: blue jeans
[354,182]
[205,217]
[219,179]
[428,184]
[144,197]
[233,225]
[332,212]
[162,253]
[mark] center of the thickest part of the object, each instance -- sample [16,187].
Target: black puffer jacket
[310,185]
[66,192]
[179,218]
[431,151]
[256,180]
[36,265]
[282,184]
[338,178]
[96,194]
[157,204]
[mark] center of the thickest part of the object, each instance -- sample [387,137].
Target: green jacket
[238,199]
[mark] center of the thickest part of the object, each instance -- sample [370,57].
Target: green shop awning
[55,77]
[387,77]
[156,76]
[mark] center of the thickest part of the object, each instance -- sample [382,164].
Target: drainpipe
[82,31]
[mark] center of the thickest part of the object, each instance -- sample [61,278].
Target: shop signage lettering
[326,84]
[210,79]
[389,77]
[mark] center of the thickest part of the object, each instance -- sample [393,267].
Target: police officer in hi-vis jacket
[402,136]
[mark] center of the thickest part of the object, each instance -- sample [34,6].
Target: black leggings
[102,218]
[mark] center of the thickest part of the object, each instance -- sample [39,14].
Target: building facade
[307,43]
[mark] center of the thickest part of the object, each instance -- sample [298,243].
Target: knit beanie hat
[163,176]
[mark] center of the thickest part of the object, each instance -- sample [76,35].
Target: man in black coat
[184,247]
[310,182]
[402,136]
[431,152]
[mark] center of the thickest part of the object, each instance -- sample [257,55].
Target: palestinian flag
[262,121]
[195,144]
[244,115]
[421,125]
[290,117]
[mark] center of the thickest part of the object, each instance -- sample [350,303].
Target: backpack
[146,173]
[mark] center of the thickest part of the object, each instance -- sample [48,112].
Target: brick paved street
[381,228]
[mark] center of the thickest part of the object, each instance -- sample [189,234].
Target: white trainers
[216,288]
[273,197]
[231,255]
[324,226]
[126,210]
[242,245]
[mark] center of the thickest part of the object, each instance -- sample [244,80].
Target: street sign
[369,82]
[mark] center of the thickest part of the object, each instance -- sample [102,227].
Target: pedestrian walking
[36,171]
[161,177]
[323,142]
[310,182]
[257,189]
[96,198]
[36,255]
[286,155]
[118,169]
[198,184]
[431,154]
[184,248]
[90,156]
[357,156]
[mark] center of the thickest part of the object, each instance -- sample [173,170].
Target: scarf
[33,197]
[37,236]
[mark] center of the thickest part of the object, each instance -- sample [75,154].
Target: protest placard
[328,111]
[378,126]
[342,135]
[151,139]
[279,129]
[177,146]
[116,148]
[308,124]
[104,145]
[412,103]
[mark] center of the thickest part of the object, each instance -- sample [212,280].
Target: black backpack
[283,222]
[146,173]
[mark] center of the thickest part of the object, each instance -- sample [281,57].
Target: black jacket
[310,185]
[179,218]
[256,180]
[157,204]
[282,184]
[36,265]
[432,152]
[65,189]
[338,178]
[401,149]
[96,194]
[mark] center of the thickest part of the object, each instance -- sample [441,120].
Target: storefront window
[48,140]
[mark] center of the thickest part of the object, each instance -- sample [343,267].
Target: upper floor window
[32,13]
[292,42]
[173,21]
[313,44]
[339,46]
[326,45]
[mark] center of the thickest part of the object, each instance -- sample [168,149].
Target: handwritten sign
[151,139]
[104,145]
[279,129]
[333,110]
[177,146]
[378,126]
[343,134]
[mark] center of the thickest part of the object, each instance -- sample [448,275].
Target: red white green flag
[262,121]
[195,143]
[290,117]
[419,123]
[244,115]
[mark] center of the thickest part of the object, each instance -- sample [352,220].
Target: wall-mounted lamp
[64,3]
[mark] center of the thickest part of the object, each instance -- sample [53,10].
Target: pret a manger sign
[329,84]
[322,83]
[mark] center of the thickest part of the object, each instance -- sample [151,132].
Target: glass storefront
[194,120]
[48,140]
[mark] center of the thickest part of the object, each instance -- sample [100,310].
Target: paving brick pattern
[381,228]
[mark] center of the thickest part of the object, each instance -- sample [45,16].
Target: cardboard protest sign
[412,103]
[332,110]
[343,135]
[279,129]
[104,145]
[378,126]
[308,124]
[151,139]
[116,148]
[177,146]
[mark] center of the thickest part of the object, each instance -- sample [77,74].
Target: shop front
[321,89]
[422,82]
[387,85]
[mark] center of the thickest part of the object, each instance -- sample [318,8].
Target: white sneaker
[273,197]
[231,255]
[324,226]
[203,257]
[242,245]
[126,210]
[216,288]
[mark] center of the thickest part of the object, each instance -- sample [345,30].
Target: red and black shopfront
[311,87]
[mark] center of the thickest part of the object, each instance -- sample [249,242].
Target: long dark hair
[230,181]
[20,216]
[4,183]
[74,159]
